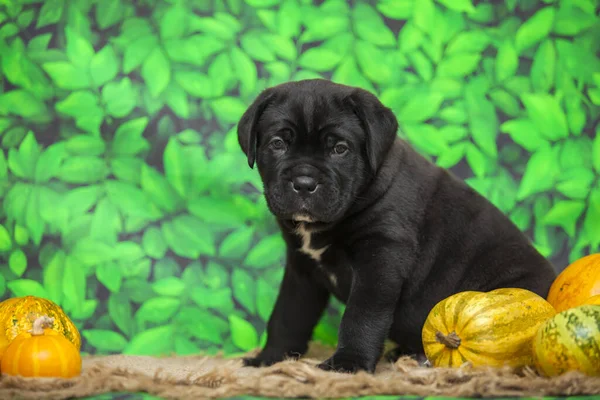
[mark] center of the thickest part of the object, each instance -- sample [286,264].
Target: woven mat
[197,377]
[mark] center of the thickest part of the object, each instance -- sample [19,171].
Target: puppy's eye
[340,148]
[277,144]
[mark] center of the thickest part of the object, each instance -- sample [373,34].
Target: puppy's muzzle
[304,185]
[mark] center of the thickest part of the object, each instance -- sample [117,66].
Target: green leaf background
[117,142]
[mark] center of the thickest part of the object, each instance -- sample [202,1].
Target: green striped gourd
[569,341]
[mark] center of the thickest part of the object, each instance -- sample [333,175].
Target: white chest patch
[305,235]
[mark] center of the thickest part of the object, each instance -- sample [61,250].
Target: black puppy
[369,220]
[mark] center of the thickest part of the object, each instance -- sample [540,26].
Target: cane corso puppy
[370,221]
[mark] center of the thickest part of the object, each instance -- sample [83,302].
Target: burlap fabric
[217,377]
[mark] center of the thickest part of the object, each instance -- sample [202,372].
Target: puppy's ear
[246,129]
[378,122]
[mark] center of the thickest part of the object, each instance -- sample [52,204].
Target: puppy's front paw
[269,357]
[346,364]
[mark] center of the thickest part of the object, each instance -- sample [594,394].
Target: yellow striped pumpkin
[493,328]
[569,341]
[17,315]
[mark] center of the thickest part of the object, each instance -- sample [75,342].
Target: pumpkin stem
[450,340]
[40,323]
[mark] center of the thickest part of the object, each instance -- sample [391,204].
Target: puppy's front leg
[376,283]
[298,308]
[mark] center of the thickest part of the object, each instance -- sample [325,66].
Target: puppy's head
[317,144]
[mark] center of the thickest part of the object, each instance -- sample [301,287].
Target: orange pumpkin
[18,313]
[42,352]
[576,283]
[594,301]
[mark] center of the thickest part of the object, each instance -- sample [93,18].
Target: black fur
[400,234]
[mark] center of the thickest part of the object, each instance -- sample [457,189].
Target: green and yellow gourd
[570,341]
[493,328]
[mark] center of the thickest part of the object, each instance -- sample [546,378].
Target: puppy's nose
[304,184]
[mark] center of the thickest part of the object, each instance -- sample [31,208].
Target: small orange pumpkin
[42,352]
[593,301]
[576,283]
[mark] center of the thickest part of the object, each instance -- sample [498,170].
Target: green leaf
[525,133]
[22,162]
[477,161]
[158,309]
[83,107]
[156,72]
[26,287]
[24,104]
[543,67]
[85,145]
[17,262]
[129,138]
[540,173]
[483,120]
[108,13]
[265,298]
[223,212]
[319,59]
[421,107]
[137,51]
[396,9]
[507,61]
[256,47]
[470,41]
[83,169]
[545,112]
[565,214]
[592,216]
[324,26]
[243,334]
[576,114]
[244,289]
[52,276]
[267,252]
[450,158]
[217,299]
[74,286]
[237,243]
[426,138]
[106,222]
[505,102]
[458,5]
[50,13]
[154,243]
[174,22]
[5,240]
[228,109]
[535,29]
[79,50]
[458,65]
[105,340]
[151,342]
[33,219]
[109,275]
[422,65]
[209,330]
[245,70]
[288,18]
[131,201]
[159,189]
[211,26]
[410,37]
[521,217]
[369,26]
[67,76]
[104,66]
[188,237]
[176,99]
[596,150]
[575,183]
[176,166]
[49,162]
[196,84]
[424,15]
[368,57]
[171,286]
[119,310]
[262,3]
